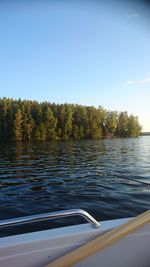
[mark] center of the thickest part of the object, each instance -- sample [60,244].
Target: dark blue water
[109,178]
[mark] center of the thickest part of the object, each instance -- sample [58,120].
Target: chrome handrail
[50,215]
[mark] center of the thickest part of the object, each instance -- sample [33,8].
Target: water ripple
[108,178]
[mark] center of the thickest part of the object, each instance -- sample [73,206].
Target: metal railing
[50,215]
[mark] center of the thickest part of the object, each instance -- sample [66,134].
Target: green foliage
[134,129]
[80,122]
[51,122]
[112,120]
[122,125]
[18,125]
[22,120]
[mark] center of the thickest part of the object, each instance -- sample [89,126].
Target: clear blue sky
[85,52]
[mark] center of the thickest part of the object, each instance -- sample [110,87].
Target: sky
[94,53]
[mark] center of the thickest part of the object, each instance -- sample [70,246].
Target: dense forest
[22,120]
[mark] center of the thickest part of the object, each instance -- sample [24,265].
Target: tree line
[25,120]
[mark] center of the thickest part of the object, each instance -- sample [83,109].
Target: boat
[113,243]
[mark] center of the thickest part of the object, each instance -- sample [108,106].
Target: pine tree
[134,129]
[112,119]
[30,120]
[18,126]
[122,125]
[50,121]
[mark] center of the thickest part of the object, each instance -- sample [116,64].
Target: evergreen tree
[122,125]
[112,119]
[80,122]
[134,129]
[29,120]
[94,123]
[43,132]
[18,125]
[51,122]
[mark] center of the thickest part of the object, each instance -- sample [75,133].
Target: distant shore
[145,133]
[26,120]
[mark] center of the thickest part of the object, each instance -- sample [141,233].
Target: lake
[109,178]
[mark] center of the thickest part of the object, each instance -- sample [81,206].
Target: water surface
[109,178]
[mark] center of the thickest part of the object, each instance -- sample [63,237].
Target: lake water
[110,178]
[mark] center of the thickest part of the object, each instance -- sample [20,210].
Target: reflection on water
[108,178]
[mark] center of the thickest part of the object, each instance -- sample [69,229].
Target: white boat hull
[39,248]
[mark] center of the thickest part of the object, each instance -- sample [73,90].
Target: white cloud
[133,16]
[139,81]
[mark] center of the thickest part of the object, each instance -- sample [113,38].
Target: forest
[25,120]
